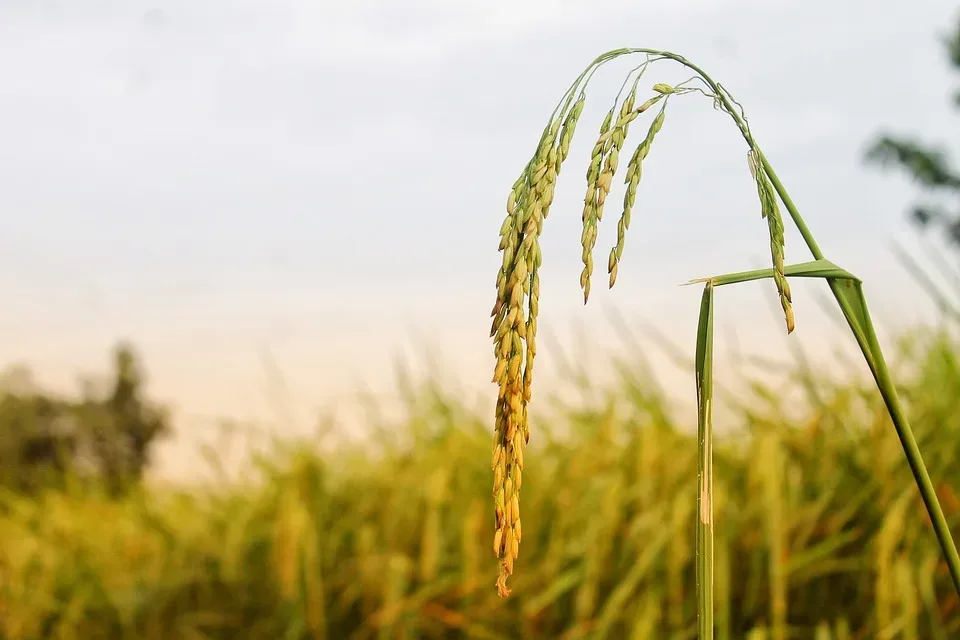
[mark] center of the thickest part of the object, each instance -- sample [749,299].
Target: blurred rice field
[821,532]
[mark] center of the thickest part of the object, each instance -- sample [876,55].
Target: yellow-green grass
[820,530]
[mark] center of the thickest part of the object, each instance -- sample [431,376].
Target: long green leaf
[888,391]
[815,269]
[705,522]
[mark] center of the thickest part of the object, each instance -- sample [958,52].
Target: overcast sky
[323,181]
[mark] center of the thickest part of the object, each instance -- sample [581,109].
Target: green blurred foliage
[47,440]
[928,165]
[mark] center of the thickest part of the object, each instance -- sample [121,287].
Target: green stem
[791,209]
[870,347]
[889,392]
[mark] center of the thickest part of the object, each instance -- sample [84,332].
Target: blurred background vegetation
[104,436]
[822,533]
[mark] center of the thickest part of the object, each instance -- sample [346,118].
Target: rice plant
[515,311]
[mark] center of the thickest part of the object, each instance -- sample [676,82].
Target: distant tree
[927,165]
[118,430]
[106,436]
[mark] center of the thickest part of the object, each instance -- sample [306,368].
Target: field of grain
[820,532]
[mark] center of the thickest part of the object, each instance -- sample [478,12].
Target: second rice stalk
[518,283]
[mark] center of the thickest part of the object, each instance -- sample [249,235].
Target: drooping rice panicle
[514,327]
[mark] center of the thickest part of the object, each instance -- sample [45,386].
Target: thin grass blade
[888,391]
[815,269]
[705,511]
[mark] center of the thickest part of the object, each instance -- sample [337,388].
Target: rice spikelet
[632,180]
[604,162]
[771,211]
